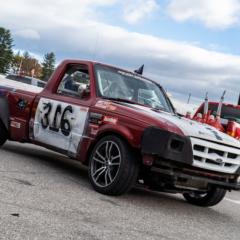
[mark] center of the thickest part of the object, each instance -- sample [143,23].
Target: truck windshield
[120,85]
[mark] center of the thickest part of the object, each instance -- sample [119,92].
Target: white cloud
[27,33]
[136,10]
[29,12]
[77,32]
[212,13]
[32,54]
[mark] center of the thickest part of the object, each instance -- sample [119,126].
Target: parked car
[124,128]
[12,84]
[28,80]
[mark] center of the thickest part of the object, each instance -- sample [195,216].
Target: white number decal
[64,125]
[59,124]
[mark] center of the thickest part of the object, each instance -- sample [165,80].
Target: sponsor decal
[216,133]
[105,105]
[94,129]
[111,108]
[109,119]
[22,104]
[15,124]
[128,74]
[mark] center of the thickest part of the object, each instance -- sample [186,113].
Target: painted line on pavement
[233,201]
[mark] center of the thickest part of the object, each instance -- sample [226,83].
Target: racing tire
[113,167]
[208,199]
[3,134]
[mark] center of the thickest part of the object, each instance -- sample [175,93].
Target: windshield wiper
[158,108]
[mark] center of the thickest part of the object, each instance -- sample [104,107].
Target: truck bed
[20,98]
[18,85]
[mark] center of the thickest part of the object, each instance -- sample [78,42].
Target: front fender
[132,137]
[131,133]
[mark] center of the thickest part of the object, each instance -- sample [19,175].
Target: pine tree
[48,65]
[6,53]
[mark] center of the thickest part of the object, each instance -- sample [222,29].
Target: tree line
[23,63]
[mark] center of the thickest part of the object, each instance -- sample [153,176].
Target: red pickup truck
[228,120]
[124,127]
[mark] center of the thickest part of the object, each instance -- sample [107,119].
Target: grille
[215,157]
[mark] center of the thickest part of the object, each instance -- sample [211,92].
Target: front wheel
[208,199]
[113,167]
[3,134]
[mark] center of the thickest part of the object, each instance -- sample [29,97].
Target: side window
[75,82]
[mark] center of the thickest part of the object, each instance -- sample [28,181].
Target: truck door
[61,117]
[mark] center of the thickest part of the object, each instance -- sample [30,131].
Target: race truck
[124,128]
[223,116]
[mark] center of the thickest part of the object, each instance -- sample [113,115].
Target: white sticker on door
[59,124]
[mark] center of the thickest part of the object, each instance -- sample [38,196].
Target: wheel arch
[112,132]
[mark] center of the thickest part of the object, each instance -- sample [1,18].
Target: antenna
[140,70]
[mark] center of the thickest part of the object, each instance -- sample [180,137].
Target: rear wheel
[3,134]
[208,199]
[113,168]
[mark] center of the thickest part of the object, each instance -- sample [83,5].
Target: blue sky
[160,24]
[187,45]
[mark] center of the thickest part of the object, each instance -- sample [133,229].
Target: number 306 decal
[64,125]
[59,124]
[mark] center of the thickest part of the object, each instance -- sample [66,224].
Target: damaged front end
[171,164]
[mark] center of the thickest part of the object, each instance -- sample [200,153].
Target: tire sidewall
[122,171]
[213,197]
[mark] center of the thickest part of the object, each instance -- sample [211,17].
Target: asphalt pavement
[44,195]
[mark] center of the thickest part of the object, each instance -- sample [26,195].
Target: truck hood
[190,128]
